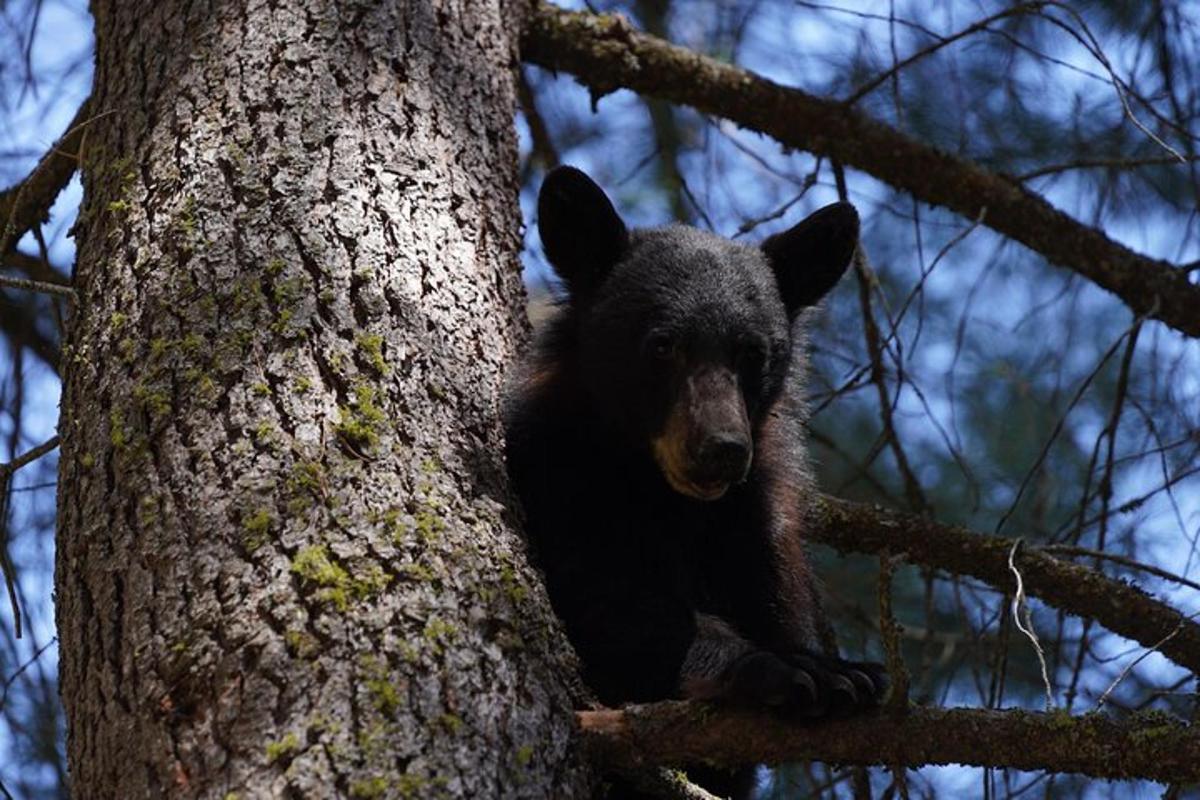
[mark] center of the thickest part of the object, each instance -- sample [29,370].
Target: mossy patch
[156,402]
[186,221]
[369,788]
[429,524]
[192,344]
[263,432]
[118,435]
[451,723]
[418,572]
[147,511]
[514,588]
[127,351]
[307,476]
[438,632]
[247,296]
[362,419]
[334,584]
[284,748]
[412,786]
[383,693]
[371,346]
[287,292]
[384,696]
[255,528]
[305,483]
[302,644]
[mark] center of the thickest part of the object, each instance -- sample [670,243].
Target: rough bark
[284,566]
[1151,746]
[605,54]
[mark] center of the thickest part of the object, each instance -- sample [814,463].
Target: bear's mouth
[699,491]
[672,465]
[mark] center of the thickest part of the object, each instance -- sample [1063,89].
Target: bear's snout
[723,458]
[705,445]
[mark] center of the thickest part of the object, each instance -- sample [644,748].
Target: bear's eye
[660,345]
[752,354]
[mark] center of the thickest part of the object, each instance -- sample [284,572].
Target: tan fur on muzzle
[670,453]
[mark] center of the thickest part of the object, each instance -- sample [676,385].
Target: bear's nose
[724,457]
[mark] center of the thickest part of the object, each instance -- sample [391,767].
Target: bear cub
[656,442]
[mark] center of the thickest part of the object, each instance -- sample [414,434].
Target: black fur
[656,441]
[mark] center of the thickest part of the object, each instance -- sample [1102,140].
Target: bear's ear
[581,232]
[810,257]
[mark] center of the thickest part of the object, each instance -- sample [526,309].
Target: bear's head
[683,338]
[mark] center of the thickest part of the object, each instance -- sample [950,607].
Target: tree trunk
[284,566]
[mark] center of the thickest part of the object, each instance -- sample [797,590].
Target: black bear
[656,442]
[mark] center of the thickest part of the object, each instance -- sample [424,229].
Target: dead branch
[606,54]
[26,204]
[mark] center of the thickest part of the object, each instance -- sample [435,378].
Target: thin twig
[1089,42]
[1099,163]
[12,679]
[890,631]
[1126,561]
[6,473]
[29,456]
[873,83]
[1103,698]
[26,285]
[1058,426]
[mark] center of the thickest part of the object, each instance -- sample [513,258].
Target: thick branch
[26,204]
[1148,746]
[1121,607]
[606,54]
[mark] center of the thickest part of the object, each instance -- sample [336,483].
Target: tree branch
[606,54]
[19,322]
[33,267]
[26,204]
[43,287]
[1121,607]
[1149,746]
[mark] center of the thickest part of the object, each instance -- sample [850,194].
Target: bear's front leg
[721,665]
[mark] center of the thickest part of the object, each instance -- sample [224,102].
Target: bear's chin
[696,491]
